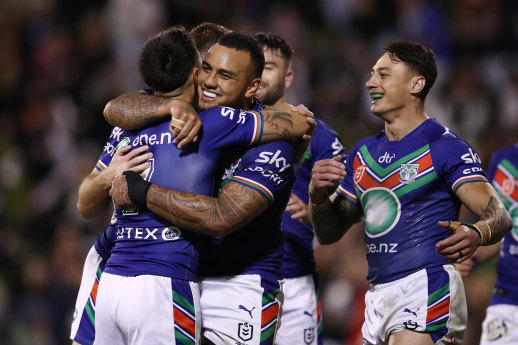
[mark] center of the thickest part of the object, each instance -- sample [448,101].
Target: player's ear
[252,87]
[195,72]
[288,79]
[418,83]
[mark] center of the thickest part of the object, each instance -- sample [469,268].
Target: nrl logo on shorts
[358,174]
[245,331]
[408,173]
[309,335]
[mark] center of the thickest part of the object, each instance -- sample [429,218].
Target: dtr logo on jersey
[386,158]
[471,157]
[273,158]
[508,186]
[358,174]
[225,111]
[408,173]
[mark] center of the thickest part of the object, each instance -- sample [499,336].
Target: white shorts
[430,301]
[301,317]
[500,327]
[237,311]
[82,329]
[147,309]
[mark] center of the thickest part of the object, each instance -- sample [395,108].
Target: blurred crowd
[62,61]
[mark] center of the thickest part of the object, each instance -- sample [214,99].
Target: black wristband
[137,187]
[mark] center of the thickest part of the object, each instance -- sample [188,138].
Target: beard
[271,95]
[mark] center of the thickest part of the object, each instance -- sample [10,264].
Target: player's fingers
[141,167]
[138,151]
[122,150]
[188,135]
[452,225]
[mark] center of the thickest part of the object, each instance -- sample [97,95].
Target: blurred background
[61,61]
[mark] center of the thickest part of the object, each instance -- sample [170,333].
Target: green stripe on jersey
[510,167]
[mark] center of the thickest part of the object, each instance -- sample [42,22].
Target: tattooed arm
[137,109]
[232,209]
[481,199]
[331,216]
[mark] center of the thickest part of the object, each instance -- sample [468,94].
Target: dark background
[61,61]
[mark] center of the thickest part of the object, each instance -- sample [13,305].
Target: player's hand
[301,109]
[466,267]
[127,159]
[185,123]
[298,209]
[461,245]
[119,192]
[325,173]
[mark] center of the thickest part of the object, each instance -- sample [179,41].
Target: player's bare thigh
[410,337]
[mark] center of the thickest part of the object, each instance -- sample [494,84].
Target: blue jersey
[256,248]
[404,187]
[298,259]
[145,243]
[503,174]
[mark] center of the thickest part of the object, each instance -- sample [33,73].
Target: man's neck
[399,124]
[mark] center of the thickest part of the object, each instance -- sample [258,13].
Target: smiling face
[391,86]
[225,79]
[275,78]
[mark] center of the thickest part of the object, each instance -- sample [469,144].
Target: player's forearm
[136,110]
[283,125]
[93,197]
[332,219]
[199,213]
[497,218]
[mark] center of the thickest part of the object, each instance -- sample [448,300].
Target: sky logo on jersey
[273,158]
[116,133]
[471,157]
[337,147]
[408,173]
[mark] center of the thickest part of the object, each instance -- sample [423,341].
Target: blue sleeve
[118,138]
[225,127]
[270,169]
[458,162]
[325,143]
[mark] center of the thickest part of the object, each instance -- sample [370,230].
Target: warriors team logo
[245,331]
[408,173]
[358,174]
[508,186]
[309,335]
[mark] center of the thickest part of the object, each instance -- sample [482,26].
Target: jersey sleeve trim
[467,179]
[344,193]
[254,185]
[100,166]
[258,126]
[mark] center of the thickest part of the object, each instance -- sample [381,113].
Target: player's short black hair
[248,43]
[275,42]
[419,58]
[206,34]
[167,59]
